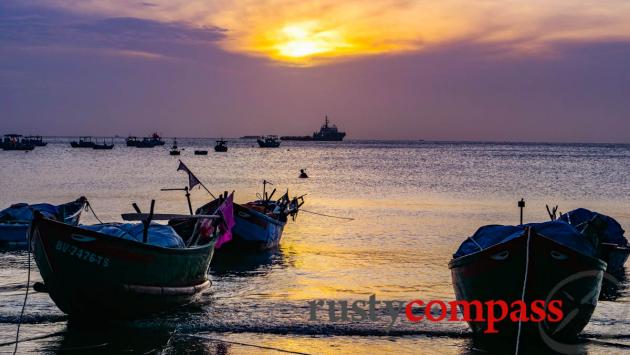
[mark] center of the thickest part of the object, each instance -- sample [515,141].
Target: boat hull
[263,144]
[554,272]
[616,257]
[254,230]
[13,233]
[91,275]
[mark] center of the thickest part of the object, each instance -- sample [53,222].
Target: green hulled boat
[89,274]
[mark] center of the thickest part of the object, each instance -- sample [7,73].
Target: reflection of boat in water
[269,142]
[122,271]
[83,142]
[328,133]
[245,262]
[15,220]
[221,146]
[544,261]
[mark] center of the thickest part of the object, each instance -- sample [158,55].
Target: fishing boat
[259,224]
[37,141]
[15,220]
[269,142]
[15,142]
[148,142]
[103,146]
[605,233]
[83,142]
[328,132]
[174,150]
[125,270]
[543,261]
[221,146]
[131,141]
[201,152]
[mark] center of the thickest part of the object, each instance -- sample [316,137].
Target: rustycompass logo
[415,311]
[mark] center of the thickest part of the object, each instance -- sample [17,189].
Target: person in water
[303,174]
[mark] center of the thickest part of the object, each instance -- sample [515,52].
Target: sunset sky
[392,69]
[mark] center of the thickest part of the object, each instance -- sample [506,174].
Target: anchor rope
[520,322]
[28,285]
[326,215]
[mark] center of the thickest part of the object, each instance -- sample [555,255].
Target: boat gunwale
[140,245]
[470,258]
[260,215]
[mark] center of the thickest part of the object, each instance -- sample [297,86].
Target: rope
[89,206]
[520,322]
[28,285]
[326,215]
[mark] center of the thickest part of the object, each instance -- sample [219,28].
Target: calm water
[412,204]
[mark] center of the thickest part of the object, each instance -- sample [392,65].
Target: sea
[382,219]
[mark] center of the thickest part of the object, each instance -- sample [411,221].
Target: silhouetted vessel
[328,133]
[269,142]
[146,142]
[84,142]
[37,141]
[15,142]
[221,146]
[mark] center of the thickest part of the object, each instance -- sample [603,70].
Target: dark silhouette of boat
[92,274]
[37,141]
[328,133]
[16,142]
[103,146]
[83,142]
[221,146]
[146,142]
[201,152]
[269,142]
[174,150]
[544,261]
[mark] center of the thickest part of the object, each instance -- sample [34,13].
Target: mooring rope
[520,322]
[326,215]
[89,206]
[28,285]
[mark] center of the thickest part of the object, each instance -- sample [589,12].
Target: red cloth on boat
[226,210]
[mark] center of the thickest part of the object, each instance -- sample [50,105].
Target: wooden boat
[269,142]
[605,233]
[131,141]
[530,266]
[16,142]
[83,142]
[221,146]
[201,152]
[148,142]
[15,231]
[259,224]
[92,275]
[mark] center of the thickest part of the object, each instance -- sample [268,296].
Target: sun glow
[305,39]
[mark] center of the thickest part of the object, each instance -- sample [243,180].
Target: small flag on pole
[192,179]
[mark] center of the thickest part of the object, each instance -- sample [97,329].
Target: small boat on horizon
[16,142]
[16,219]
[83,142]
[221,146]
[147,142]
[270,141]
[103,146]
[174,150]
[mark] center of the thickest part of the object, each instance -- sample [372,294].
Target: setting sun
[305,39]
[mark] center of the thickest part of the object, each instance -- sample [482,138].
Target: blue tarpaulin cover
[613,233]
[24,212]
[159,234]
[559,231]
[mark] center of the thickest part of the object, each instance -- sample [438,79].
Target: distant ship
[328,133]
